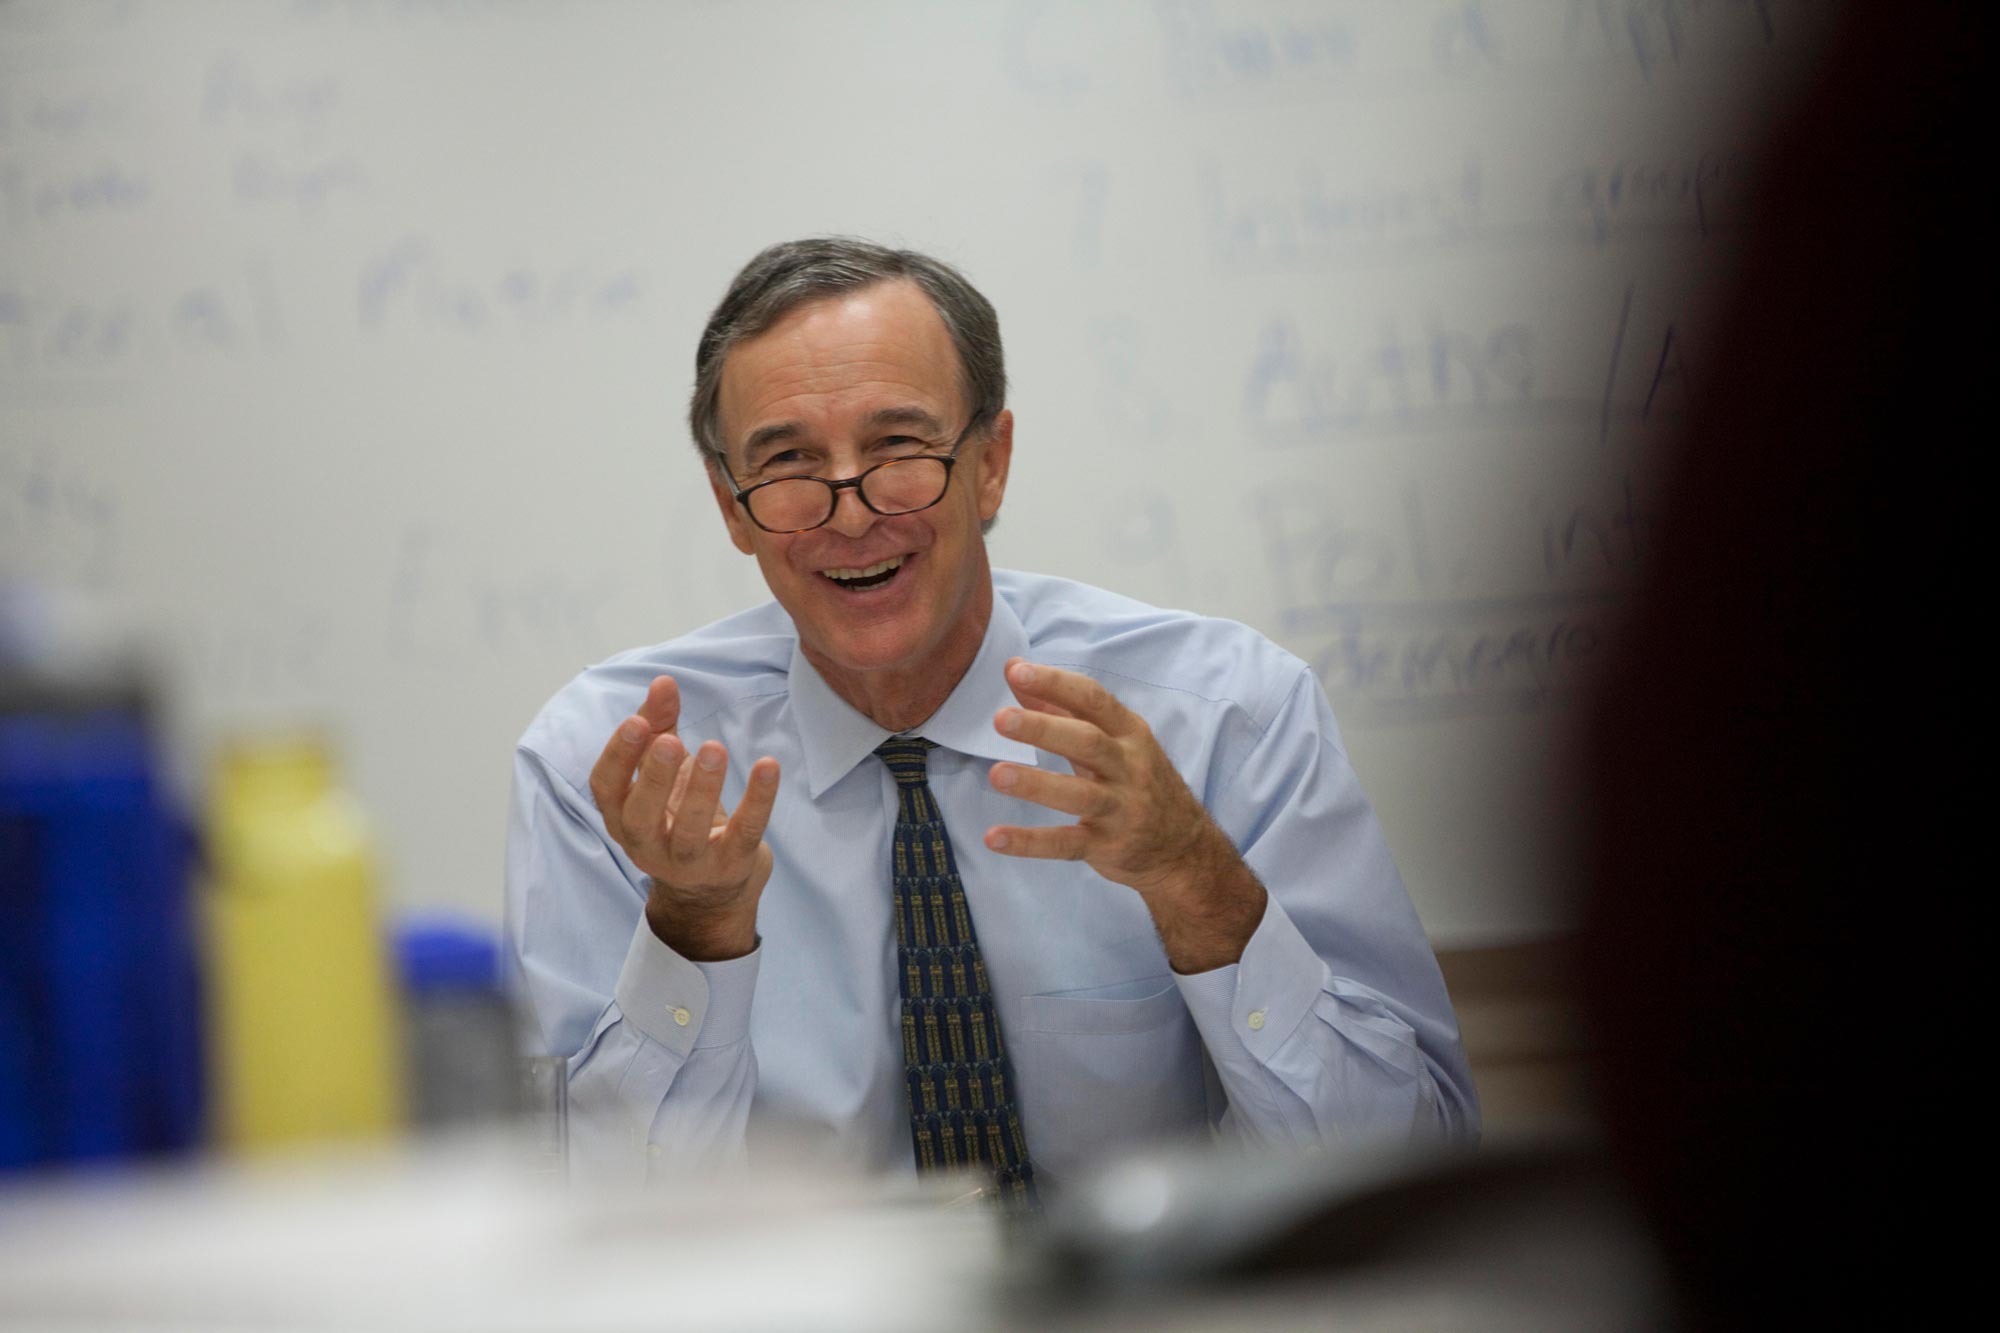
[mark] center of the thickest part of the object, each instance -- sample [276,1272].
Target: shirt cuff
[683,1005]
[1255,1004]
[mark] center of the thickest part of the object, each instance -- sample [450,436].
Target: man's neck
[902,698]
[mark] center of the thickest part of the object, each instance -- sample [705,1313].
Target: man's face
[830,390]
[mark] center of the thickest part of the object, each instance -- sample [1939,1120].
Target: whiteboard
[345,346]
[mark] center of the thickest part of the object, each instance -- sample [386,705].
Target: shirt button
[1256,1020]
[682,1017]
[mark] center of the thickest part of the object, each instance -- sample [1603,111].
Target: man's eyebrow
[763,435]
[906,416]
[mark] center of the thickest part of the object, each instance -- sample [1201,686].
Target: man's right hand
[708,866]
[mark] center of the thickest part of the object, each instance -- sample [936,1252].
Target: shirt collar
[834,736]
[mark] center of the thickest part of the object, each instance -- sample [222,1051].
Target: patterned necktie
[962,1109]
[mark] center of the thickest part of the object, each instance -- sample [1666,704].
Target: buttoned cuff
[684,1005]
[1253,1006]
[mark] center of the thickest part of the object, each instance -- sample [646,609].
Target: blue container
[464,1066]
[100,1045]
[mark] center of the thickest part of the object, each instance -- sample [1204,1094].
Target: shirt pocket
[1100,1077]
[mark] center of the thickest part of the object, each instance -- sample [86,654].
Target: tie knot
[905,756]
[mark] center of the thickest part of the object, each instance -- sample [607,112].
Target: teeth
[870,572]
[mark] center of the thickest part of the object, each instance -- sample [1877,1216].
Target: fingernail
[1003,777]
[1024,674]
[997,841]
[632,731]
[711,757]
[1010,722]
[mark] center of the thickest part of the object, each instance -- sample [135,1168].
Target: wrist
[702,937]
[1216,936]
[1208,910]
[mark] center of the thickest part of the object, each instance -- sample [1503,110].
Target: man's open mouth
[868,576]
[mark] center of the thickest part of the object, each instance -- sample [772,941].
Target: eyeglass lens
[897,487]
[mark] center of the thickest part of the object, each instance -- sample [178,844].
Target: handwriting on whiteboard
[1231,48]
[412,285]
[59,517]
[1406,616]
[443,603]
[1409,375]
[1318,214]
[1415,662]
[51,335]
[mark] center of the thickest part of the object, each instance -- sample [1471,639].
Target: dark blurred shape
[1776,930]
[458,1025]
[100,1050]
[1530,1235]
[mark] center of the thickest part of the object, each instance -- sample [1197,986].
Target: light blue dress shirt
[1333,1029]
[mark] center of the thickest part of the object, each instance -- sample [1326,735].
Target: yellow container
[304,1034]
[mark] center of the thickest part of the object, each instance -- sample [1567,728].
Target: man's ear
[995,457]
[733,516]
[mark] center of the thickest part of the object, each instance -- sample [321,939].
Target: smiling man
[926,866]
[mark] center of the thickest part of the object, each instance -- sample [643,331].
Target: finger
[1033,701]
[646,804]
[1064,842]
[1080,742]
[662,706]
[1072,692]
[746,826]
[681,781]
[611,775]
[694,816]
[1058,791]
[1026,696]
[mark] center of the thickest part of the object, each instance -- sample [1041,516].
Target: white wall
[346,343]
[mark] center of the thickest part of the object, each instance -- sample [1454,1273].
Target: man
[1156,903]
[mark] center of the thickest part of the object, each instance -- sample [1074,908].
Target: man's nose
[851,518]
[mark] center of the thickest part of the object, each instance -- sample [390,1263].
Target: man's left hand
[1137,822]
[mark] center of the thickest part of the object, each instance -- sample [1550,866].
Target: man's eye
[788,461]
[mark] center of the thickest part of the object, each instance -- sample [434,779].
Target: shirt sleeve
[661,1072]
[1334,1028]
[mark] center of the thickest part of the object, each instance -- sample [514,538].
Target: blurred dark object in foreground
[1528,1235]
[100,1050]
[1778,830]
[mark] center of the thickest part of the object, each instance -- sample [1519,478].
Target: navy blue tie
[962,1101]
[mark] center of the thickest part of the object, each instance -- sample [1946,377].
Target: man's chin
[864,655]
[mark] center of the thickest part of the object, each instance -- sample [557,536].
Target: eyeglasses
[898,486]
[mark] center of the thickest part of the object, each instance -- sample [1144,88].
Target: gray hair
[792,274]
